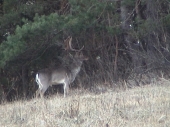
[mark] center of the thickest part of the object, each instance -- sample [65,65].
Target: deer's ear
[70,40]
[67,42]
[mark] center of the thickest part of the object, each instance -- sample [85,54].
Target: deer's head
[78,52]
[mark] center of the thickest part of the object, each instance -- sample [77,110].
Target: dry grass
[147,106]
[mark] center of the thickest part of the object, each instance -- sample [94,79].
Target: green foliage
[166,22]
[16,13]
[113,30]
[31,34]
[91,14]
[10,5]
[10,18]
[129,3]
[26,36]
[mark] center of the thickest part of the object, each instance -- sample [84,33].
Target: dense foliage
[121,38]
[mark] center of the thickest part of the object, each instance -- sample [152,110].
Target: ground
[146,106]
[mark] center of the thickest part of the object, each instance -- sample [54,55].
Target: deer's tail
[37,79]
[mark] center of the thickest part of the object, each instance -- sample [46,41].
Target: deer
[60,74]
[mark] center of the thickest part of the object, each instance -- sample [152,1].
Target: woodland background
[125,40]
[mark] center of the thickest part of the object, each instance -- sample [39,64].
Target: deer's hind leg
[41,90]
[37,93]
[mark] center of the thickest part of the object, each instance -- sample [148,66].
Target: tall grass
[147,106]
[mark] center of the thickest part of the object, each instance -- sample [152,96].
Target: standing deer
[61,74]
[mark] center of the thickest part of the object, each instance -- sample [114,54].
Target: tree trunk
[132,42]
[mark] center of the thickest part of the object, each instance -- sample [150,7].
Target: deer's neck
[75,69]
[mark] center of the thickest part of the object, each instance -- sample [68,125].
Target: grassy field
[147,106]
